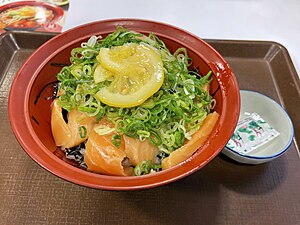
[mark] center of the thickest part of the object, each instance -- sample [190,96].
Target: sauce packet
[251,133]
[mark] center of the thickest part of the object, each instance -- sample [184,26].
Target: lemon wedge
[135,72]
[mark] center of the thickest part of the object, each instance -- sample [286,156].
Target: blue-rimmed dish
[274,114]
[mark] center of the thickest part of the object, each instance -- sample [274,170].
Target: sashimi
[72,133]
[198,139]
[138,151]
[102,156]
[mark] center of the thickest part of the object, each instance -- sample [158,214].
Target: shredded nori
[77,153]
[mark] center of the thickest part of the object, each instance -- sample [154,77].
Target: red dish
[29,111]
[28,15]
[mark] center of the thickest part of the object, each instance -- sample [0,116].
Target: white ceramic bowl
[275,116]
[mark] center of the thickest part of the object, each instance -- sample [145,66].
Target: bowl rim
[289,142]
[214,60]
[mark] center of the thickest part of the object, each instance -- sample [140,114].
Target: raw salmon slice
[102,156]
[198,139]
[138,151]
[67,135]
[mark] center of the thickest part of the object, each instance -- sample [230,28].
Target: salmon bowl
[36,90]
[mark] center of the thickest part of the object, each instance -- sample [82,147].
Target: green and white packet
[251,133]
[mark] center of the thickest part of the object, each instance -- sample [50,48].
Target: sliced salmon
[102,156]
[67,135]
[138,151]
[198,139]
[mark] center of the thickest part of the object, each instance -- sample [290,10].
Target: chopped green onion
[103,129]
[82,131]
[146,167]
[116,140]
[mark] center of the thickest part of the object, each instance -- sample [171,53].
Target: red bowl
[57,11]
[29,111]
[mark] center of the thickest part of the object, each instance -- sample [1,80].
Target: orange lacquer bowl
[29,110]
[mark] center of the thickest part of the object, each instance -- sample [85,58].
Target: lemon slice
[135,72]
[101,74]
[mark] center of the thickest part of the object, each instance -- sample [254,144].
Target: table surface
[271,20]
